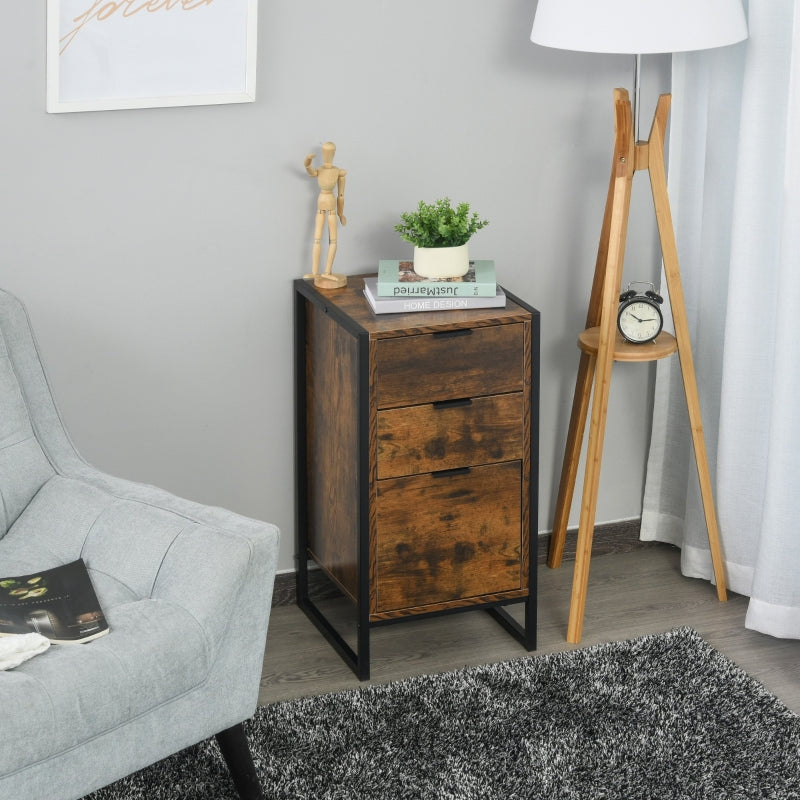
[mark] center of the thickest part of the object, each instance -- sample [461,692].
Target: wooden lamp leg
[572,454]
[669,250]
[617,216]
[586,374]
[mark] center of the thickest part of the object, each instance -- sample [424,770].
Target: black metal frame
[359,659]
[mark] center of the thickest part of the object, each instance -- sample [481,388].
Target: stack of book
[397,289]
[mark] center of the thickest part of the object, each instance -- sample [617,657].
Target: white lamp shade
[638,26]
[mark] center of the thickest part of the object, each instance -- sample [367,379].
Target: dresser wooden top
[350,301]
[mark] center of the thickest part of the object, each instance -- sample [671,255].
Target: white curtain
[734,183]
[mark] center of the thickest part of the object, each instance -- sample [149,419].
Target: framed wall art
[112,54]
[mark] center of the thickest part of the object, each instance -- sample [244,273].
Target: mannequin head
[328,152]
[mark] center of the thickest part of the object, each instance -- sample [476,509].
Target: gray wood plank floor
[630,594]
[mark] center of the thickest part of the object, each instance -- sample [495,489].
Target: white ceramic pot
[441,262]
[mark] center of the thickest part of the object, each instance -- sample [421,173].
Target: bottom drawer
[444,537]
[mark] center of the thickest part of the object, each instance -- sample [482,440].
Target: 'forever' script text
[102,10]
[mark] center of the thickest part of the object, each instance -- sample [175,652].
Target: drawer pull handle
[446,473]
[461,401]
[452,334]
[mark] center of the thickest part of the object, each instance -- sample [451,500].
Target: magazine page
[58,603]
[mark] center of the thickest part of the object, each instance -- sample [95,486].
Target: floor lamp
[634,27]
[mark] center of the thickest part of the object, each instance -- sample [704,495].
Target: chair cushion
[155,651]
[133,549]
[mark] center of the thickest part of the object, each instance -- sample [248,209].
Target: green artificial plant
[439,224]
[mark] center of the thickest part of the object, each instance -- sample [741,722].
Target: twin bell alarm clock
[639,318]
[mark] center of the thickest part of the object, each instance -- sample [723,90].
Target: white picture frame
[118,54]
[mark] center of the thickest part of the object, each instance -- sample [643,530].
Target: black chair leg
[236,752]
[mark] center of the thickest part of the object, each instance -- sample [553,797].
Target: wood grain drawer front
[450,434]
[465,362]
[449,537]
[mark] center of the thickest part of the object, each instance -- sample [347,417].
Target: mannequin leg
[319,222]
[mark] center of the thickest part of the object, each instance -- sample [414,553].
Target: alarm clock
[639,318]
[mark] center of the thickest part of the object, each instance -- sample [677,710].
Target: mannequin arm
[340,197]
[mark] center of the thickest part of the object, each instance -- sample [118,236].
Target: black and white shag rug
[660,717]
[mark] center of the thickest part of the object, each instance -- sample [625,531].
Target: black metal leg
[357,661]
[236,752]
[524,634]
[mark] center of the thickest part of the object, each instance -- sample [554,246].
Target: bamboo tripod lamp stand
[601,345]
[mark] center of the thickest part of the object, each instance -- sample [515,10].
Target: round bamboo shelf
[664,345]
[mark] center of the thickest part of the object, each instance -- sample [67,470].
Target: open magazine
[58,603]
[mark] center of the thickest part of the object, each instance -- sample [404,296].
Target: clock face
[640,321]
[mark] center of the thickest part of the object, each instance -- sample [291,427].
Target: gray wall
[155,249]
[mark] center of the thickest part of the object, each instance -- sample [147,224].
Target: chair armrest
[219,575]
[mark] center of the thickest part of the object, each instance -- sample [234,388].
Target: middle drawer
[450,434]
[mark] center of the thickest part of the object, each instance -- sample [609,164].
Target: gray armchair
[186,590]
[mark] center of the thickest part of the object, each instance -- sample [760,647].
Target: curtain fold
[734,173]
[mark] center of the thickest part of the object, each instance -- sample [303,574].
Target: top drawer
[465,362]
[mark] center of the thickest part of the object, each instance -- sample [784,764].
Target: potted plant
[440,234]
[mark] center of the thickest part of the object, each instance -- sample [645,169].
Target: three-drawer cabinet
[417,439]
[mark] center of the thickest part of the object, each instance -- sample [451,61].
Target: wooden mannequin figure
[330,207]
